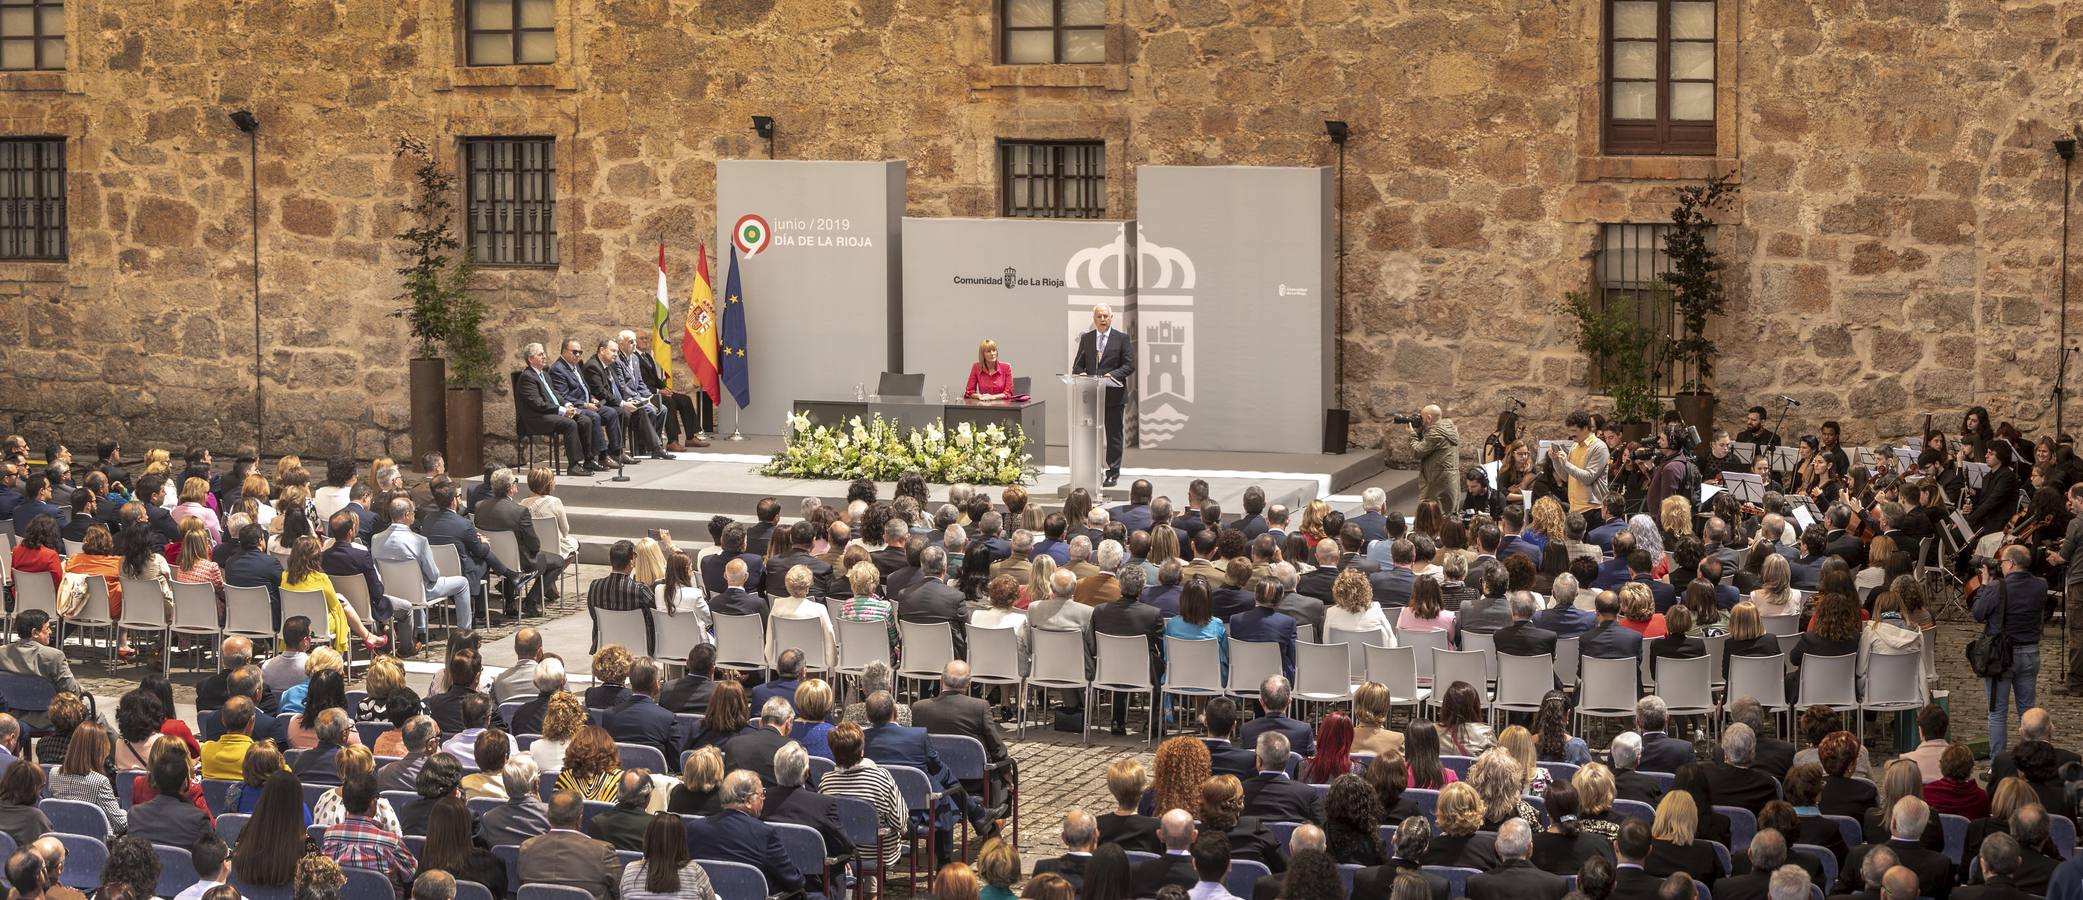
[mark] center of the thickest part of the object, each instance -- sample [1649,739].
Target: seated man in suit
[1608,639]
[603,381]
[1318,582]
[788,675]
[444,525]
[2034,724]
[1265,623]
[1522,637]
[1630,850]
[502,513]
[2037,856]
[794,802]
[1306,836]
[690,692]
[640,720]
[802,538]
[890,744]
[549,410]
[1392,584]
[523,815]
[1175,866]
[737,835]
[568,376]
[345,557]
[1515,877]
[932,600]
[1614,571]
[953,711]
[1735,781]
[1933,869]
[1080,838]
[1772,756]
[1865,877]
[400,543]
[1562,615]
[623,827]
[1660,751]
[1272,796]
[1125,616]
[753,751]
[1219,722]
[548,679]
[1628,781]
[735,599]
[1164,595]
[1767,853]
[31,654]
[1999,872]
[1409,843]
[320,764]
[1274,696]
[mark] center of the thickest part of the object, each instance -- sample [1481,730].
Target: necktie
[544,377]
[1100,348]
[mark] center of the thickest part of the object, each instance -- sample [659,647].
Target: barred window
[510,32]
[1660,57]
[1052,31]
[1627,273]
[1053,179]
[511,198]
[32,198]
[32,34]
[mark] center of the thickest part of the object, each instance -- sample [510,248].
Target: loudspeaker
[1337,422]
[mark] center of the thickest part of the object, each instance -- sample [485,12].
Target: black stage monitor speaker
[1337,422]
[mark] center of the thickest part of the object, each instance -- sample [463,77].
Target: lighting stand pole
[245,122]
[2066,147]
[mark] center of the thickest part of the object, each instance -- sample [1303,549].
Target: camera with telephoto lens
[1645,454]
[1986,563]
[1406,420]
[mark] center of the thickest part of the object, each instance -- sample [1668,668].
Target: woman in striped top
[84,775]
[861,779]
[665,872]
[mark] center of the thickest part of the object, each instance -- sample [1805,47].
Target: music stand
[901,384]
[1785,459]
[1975,472]
[1803,517]
[1744,486]
[1743,452]
[1908,455]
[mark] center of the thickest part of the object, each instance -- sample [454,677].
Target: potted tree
[1696,291]
[430,290]
[1625,351]
[471,368]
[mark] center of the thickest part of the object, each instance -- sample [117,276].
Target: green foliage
[437,303]
[1624,350]
[877,449]
[1695,276]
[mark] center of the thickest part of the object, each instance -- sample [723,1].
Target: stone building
[1894,249]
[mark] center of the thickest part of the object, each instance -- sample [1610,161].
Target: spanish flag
[661,347]
[698,337]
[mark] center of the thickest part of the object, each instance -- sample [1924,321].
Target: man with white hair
[549,413]
[1306,836]
[1660,751]
[1302,608]
[1270,794]
[1563,616]
[1767,854]
[738,835]
[1733,781]
[1436,445]
[1081,557]
[1866,872]
[2034,724]
[754,750]
[1373,520]
[1628,781]
[1060,610]
[1522,637]
[1080,838]
[548,679]
[1107,353]
[523,815]
[1516,877]
[932,601]
[1103,586]
[676,409]
[794,801]
[1791,883]
[1933,869]
[1274,694]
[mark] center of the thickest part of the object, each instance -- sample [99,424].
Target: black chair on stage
[527,429]
[901,384]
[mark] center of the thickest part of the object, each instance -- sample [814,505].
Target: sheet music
[1744,452]
[1526,500]
[1746,487]
[1908,455]
[1960,525]
[1975,471]
[1490,469]
[1784,459]
[1803,517]
[1707,492]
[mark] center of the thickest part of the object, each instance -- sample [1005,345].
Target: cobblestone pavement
[1057,773]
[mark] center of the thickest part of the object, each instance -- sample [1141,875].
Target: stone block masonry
[1894,250]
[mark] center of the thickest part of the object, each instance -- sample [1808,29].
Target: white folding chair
[624,627]
[1894,682]
[1470,666]
[144,610]
[1424,643]
[1607,689]
[994,657]
[354,592]
[1124,668]
[95,614]
[741,643]
[807,635]
[1396,668]
[924,649]
[310,605]
[506,548]
[1782,624]
[1192,668]
[1476,641]
[1686,686]
[1250,663]
[861,643]
[248,612]
[674,636]
[1323,672]
[1059,663]
[1522,681]
[1761,678]
[1358,641]
[449,561]
[1717,644]
[1831,681]
[35,591]
[74,548]
[1568,652]
[406,585]
[195,613]
[552,535]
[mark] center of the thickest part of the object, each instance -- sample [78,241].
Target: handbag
[1989,655]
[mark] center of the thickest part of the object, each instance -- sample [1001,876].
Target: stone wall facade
[1894,250]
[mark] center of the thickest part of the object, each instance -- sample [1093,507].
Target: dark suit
[1227,602]
[1300,739]
[687,694]
[733,835]
[1169,868]
[571,859]
[1610,640]
[447,710]
[544,407]
[967,716]
[1997,887]
[1131,832]
[773,687]
[1995,502]
[513,822]
[1611,574]
[1117,360]
[1664,753]
[1373,525]
[1631,784]
[528,718]
[318,764]
[1774,757]
[1934,870]
[570,383]
[1261,624]
[1516,879]
[640,720]
[1749,788]
[1228,759]
[1524,639]
[1392,586]
[1631,883]
[503,514]
[934,601]
[776,583]
[1743,887]
[802,806]
[448,527]
[1070,865]
[752,750]
[1318,583]
[1135,517]
[889,559]
[1674,646]
[1847,797]
[1278,798]
[255,568]
[712,571]
[604,384]
[1161,597]
[1130,618]
[738,602]
[622,827]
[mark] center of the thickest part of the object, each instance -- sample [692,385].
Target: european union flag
[737,377]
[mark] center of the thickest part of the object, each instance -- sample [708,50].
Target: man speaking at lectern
[1105,351]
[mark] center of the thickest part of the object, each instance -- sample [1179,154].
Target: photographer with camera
[1437,445]
[2007,655]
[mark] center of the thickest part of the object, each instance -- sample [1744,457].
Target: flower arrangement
[879,449]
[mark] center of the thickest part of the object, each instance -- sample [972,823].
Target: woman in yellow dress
[302,574]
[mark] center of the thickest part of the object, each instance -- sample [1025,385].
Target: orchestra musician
[1754,430]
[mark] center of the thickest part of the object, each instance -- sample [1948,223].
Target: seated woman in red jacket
[989,379]
[36,549]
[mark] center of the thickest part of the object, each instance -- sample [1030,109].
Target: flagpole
[735,434]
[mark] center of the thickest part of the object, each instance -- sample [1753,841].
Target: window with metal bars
[32,198]
[1052,31]
[510,195]
[1627,273]
[509,32]
[1053,179]
[32,34]
[1659,62]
